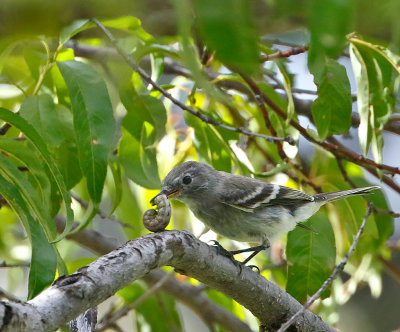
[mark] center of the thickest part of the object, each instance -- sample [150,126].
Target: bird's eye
[186,179]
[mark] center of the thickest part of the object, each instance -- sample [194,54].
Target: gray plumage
[243,208]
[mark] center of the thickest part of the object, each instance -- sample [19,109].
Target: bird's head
[186,181]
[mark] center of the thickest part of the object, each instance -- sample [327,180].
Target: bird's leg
[221,250]
[264,245]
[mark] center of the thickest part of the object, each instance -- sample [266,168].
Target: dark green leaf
[94,122]
[228,29]
[41,147]
[44,257]
[332,109]
[311,257]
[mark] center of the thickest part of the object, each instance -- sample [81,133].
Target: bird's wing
[248,195]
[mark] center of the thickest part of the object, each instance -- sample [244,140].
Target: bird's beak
[164,192]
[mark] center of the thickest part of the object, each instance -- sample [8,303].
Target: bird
[242,208]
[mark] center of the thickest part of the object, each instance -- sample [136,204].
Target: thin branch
[391,269]
[7,265]
[6,295]
[134,65]
[100,212]
[386,212]
[333,146]
[338,269]
[105,324]
[344,173]
[285,54]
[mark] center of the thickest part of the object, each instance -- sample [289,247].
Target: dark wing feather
[248,194]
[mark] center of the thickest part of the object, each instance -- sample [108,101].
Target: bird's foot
[230,254]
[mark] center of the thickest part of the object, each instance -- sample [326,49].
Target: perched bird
[243,208]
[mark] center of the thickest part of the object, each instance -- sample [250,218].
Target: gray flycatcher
[243,208]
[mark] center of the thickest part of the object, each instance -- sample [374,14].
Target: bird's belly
[248,226]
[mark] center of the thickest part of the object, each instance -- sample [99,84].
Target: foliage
[78,120]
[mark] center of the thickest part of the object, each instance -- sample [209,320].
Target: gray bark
[71,295]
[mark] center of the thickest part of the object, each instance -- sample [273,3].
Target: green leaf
[55,124]
[288,89]
[331,111]
[41,113]
[311,257]
[23,152]
[330,22]
[74,28]
[143,108]
[117,192]
[94,123]
[138,160]
[10,171]
[44,257]
[227,28]
[376,92]
[30,132]
[209,145]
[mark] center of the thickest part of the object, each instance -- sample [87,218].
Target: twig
[284,54]
[386,212]
[6,265]
[333,146]
[6,295]
[134,65]
[344,173]
[260,103]
[100,213]
[391,269]
[338,269]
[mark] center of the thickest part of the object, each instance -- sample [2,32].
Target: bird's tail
[328,197]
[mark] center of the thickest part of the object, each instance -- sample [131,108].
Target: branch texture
[71,295]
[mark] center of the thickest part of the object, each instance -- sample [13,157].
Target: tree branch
[189,295]
[92,284]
